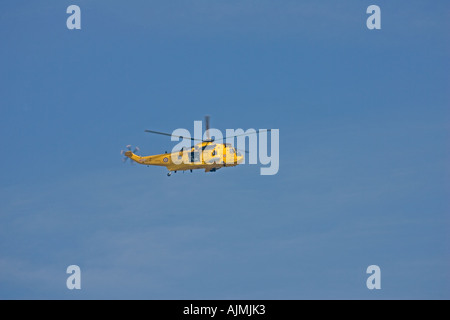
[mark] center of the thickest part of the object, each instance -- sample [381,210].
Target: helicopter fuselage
[206,155]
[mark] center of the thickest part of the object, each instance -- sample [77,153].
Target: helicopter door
[195,156]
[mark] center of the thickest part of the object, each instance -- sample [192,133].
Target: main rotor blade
[246,151]
[238,149]
[172,135]
[245,134]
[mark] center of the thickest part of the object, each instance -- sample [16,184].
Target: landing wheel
[169,174]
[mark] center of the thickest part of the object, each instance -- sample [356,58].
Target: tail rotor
[128,152]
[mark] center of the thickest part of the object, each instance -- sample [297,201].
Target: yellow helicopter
[207,154]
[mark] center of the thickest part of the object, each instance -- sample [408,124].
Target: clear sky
[364,149]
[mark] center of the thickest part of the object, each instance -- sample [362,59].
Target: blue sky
[364,175]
